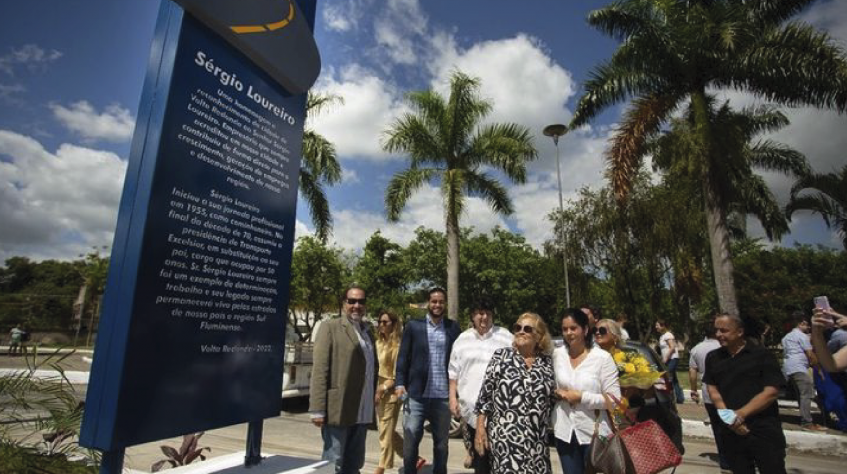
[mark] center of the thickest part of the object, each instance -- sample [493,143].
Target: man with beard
[421,380]
[341,396]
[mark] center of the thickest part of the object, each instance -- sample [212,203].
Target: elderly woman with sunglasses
[608,336]
[515,401]
[583,375]
[387,404]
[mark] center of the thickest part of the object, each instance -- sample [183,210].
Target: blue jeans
[677,390]
[345,446]
[572,455]
[437,412]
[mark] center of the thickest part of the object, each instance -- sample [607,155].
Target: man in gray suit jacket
[341,396]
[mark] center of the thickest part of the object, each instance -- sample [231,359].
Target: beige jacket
[338,372]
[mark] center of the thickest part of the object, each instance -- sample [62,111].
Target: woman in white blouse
[583,375]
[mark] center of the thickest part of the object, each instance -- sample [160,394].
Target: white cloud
[114,124]
[56,205]
[301,230]
[353,227]
[30,56]
[349,176]
[400,31]
[8,93]
[518,76]
[370,105]
[336,18]
[830,16]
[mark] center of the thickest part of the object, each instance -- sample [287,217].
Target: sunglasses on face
[601,331]
[352,301]
[526,329]
[385,322]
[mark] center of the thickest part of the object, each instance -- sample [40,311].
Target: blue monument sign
[194,314]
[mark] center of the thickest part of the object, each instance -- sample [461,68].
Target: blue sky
[71,75]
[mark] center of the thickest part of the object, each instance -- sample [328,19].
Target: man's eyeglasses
[601,331]
[352,301]
[526,329]
[385,322]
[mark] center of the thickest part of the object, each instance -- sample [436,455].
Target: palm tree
[830,201]
[445,141]
[735,157]
[319,167]
[673,51]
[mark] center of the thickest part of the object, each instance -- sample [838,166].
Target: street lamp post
[555,131]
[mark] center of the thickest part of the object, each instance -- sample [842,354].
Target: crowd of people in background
[513,389]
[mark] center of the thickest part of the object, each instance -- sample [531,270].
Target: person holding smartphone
[825,318]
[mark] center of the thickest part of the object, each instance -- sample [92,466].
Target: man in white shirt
[471,354]
[696,370]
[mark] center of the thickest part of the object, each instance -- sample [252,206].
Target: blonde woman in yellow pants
[387,403]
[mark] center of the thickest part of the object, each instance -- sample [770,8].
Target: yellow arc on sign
[267,26]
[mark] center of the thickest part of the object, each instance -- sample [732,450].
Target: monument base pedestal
[234,464]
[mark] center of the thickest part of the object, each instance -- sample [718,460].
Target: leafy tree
[737,155]
[673,51]
[830,199]
[445,141]
[498,268]
[635,262]
[319,167]
[382,272]
[318,276]
[501,269]
[773,282]
[39,295]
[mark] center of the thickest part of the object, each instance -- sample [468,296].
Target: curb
[73,376]
[797,440]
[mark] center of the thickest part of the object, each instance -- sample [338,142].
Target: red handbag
[649,448]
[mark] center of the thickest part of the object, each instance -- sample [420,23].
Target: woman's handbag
[639,449]
[606,455]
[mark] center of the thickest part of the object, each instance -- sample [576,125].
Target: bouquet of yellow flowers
[635,371]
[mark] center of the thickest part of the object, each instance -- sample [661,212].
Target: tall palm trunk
[715,212]
[719,246]
[452,265]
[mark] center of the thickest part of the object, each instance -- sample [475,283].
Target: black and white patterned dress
[517,402]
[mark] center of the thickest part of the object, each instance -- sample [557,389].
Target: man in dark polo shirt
[745,378]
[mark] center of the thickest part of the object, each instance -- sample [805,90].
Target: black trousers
[480,464]
[762,448]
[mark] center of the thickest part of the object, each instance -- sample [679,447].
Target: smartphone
[822,302]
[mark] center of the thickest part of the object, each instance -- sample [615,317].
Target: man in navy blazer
[422,377]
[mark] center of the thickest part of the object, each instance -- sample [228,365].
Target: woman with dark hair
[583,376]
[513,408]
[389,330]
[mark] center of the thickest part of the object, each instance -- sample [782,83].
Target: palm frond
[641,120]
[401,187]
[608,85]
[768,155]
[488,188]
[317,103]
[410,134]
[318,204]
[464,111]
[774,12]
[505,146]
[757,199]
[794,65]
